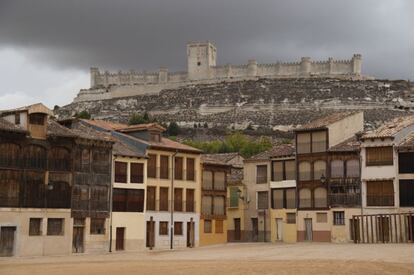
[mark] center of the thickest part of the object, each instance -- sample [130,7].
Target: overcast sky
[48,46]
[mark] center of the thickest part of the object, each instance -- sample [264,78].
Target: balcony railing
[345,181]
[385,200]
[344,199]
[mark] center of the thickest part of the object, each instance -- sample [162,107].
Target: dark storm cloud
[148,34]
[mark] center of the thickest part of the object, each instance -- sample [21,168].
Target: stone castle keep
[202,68]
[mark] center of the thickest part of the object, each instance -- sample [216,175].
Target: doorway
[237,229]
[255,230]
[7,240]
[190,234]
[308,229]
[279,229]
[120,238]
[150,240]
[77,237]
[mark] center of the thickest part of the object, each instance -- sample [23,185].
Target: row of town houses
[94,186]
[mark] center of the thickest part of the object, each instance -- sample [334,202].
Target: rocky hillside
[279,104]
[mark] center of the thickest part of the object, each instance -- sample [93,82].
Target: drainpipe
[110,201]
[172,201]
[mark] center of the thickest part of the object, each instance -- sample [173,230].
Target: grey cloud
[148,34]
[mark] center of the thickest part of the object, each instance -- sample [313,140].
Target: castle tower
[357,64]
[201,56]
[94,72]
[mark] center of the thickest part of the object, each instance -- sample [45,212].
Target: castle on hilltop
[202,68]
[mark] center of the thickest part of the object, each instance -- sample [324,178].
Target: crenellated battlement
[202,68]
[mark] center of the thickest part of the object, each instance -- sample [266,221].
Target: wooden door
[237,229]
[150,240]
[279,229]
[255,230]
[308,230]
[7,240]
[190,234]
[120,235]
[77,239]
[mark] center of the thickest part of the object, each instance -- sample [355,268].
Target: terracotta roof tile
[57,130]
[107,125]
[10,127]
[390,128]
[223,158]
[140,127]
[351,144]
[281,150]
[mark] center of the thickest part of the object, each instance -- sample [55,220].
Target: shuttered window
[376,156]
[151,197]
[163,228]
[321,197]
[305,198]
[164,202]
[178,228]
[164,167]
[54,227]
[352,168]
[152,166]
[319,142]
[278,198]
[234,197]
[304,171]
[304,143]
[178,168]
[380,193]
[206,205]
[35,226]
[190,169]
[319,169]
[120,172]
[219,181]
[137,173]
[218,226]
[337,169]
[219,203]
[207,180]
[261,174]
[278,171]
[262,200]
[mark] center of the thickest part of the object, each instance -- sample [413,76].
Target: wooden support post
[372,229]
[362,228]
[400,228]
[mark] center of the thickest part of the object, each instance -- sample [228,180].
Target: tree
[173,129]
[84,115]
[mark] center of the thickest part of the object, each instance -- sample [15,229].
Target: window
[164,167]
[97,226]
[291,218]
[218,226]
[54,227]
[155,137]
[305,198]
[337,169]
[135,200]
[304,171]
[380,193]
[190,169]
[278,198]
[9,188]
[304,143]
[379,156]
[37,119]
[120,172]
[99,200]
[405,163]
[164,228]
[219,181]
[321,217]
[152,166]
[137,173]
[178,168]
[17,118]
[207,226]
[198,63]
[178,199]
[219,203]
[206,205]
[262,200]
[321,197]
[151,197]
[60,159]
[319,169]
[339,217]
[283,170]
[34,157]
[234,197]
[189,203]
[207,180]
[178,228]
[352,168]
[9,154]
[164,202]
[406,193]
[101,161]
[261,174]
[35,226]
[319,142]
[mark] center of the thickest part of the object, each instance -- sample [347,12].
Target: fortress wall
[342,67]
[320,68]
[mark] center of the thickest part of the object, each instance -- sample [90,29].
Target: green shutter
[234,197]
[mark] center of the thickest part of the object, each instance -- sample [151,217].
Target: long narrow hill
[274,103]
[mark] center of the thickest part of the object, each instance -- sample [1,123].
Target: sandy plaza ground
[246,258]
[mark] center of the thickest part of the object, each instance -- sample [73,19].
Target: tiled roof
[34,108]
[121,148]
[54,129]
[223,158]
[140,127]
[107,125]
[323,122]
[407,142]
[281,150]
[10,127]
[86,132]
[390,128]
[171,144]
[351,144]
[212,159]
